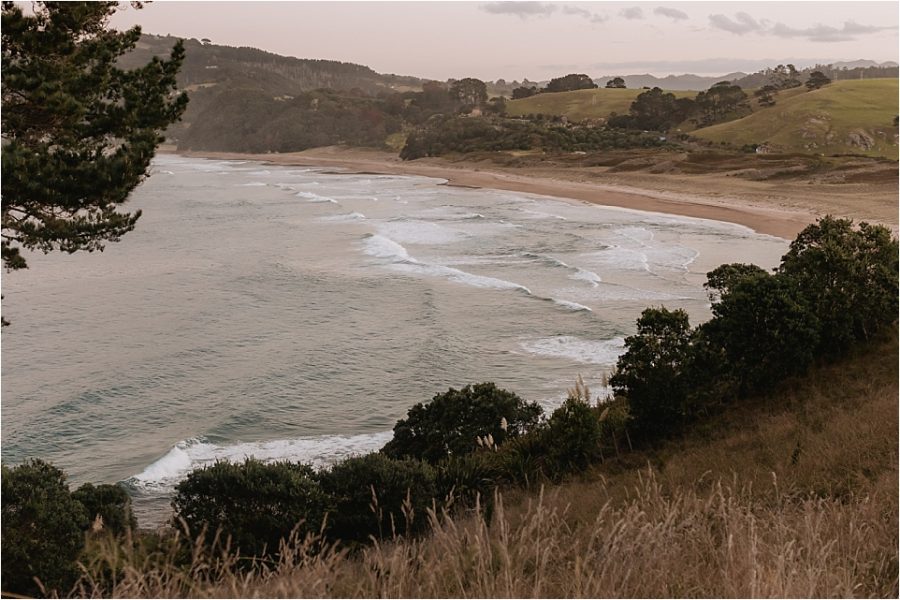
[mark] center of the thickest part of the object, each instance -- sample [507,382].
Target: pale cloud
[519,9]
[672,13]
[742,23]
[584,14]
[823,33]
[523,10]
[632,13]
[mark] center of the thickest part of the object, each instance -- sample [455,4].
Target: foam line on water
[595,352]
[577,272]
[571,305]
[353,216]
[310,197]
[188,455]
[383,247]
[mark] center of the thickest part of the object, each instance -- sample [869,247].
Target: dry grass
[790,496]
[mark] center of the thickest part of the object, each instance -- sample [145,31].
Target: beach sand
[781,209]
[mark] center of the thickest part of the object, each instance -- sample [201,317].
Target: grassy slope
[820,121]
[580,104]
[792,495]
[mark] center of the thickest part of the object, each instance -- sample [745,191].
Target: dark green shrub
[254,503]
[111,503]
[652,373]
[43,530]
[522,460]
[849,277]
[572,437]
[376,496]
[460,480]
[451,422]
[766,330]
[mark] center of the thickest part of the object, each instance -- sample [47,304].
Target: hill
[580,104]
[846,117]
[209,65]
[685,82]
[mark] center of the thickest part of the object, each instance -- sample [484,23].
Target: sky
[538,40]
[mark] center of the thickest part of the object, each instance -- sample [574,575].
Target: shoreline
[762,215]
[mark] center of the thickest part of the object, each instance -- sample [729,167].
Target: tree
[849,277]
[111,504]
[816,80]
[654,110]
[765,95]
[524,92]
[255,504]
[719,101]
[764,326]
[651,373]
[784,77]
[43,530]
[616,82]
[78,132]
[573,81]
[451,422]
[377,496]
[469,91]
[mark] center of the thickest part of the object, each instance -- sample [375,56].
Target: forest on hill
[249,100]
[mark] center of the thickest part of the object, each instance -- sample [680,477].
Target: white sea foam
[538,214]
[602,352]
[194,453]
[571,305]
[589,276]
[384,247]
[555,262]
[420,232]
[479,281]
[353,216]
[626,259]
[253,184]
[261,172]
[380,246]
[641,235]
[310,197]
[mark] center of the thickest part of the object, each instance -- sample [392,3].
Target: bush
[451,422]
[43,530]
[652,373]
[766,330]
[573,437]
[849,277]
[460,480]
[376,496]
[255,504]
[110,503]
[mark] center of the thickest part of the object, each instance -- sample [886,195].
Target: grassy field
[580,104]
[846,117]
[790,495]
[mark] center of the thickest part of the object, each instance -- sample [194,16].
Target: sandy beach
[780,209]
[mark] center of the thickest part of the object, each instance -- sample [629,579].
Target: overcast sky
[538,40]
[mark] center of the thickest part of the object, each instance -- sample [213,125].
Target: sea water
[297,313]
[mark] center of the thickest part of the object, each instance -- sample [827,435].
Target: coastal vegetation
[754,454]
[444,476]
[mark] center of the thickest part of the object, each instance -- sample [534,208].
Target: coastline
[783,215]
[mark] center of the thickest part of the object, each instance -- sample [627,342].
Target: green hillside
[580,104]
[844,117]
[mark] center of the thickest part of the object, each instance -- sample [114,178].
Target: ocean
[297,313]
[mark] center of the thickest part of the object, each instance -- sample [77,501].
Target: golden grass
[789,496]
[820,121]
